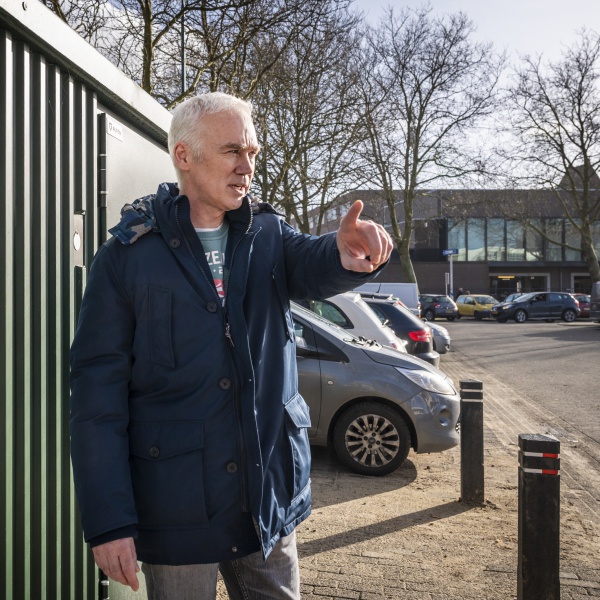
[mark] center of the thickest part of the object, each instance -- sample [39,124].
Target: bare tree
[427,86]
[86,17]
[308,116]
[144,39]
[554,114]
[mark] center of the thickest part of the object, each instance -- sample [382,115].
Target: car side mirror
[305,351]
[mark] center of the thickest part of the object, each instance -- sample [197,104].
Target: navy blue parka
[187,428]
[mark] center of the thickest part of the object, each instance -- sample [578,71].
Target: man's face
[218,179]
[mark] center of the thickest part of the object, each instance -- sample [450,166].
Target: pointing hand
[363,245]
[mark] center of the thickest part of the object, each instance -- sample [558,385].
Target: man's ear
[182,155]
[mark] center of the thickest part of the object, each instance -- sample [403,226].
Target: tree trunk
[148,49]
[406,262]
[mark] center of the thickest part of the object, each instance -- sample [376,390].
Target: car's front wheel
[429,315]
[520,316]
[371,438]
[569,315]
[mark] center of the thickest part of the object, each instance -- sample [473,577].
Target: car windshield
[525,297]
[443,300]
[342,334]
[408,315]
[485,300]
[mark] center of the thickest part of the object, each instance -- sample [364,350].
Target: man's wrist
[129,531]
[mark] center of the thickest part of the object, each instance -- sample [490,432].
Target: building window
[596,237]
[534,244]
[496,247]
[476,239]
[554,229]
[515,241]
[573,238]
[457,237]
[499,240]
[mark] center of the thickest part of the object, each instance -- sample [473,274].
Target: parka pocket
[167,473]
[160,325]
[297,422]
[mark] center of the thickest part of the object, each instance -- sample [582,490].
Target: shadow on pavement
[341,483]
[375,530]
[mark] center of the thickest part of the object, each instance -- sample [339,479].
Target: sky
[519,26]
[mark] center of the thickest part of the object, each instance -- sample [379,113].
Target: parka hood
[139,217]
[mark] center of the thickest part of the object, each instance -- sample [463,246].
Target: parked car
[538,305]
[513,296]
[475,305]
[438,306]
[370,403]
[407,292]
[441,337]
[418,337]
[350,312]
[584,301]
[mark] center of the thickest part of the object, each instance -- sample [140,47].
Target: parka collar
[154,211]
[240,220]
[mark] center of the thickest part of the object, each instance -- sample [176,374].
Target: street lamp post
[183,82]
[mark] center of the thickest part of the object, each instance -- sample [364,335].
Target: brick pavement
[408,536]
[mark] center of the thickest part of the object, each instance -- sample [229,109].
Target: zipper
[236,375]
[237,398]
[189,247]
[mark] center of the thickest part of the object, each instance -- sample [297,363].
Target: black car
[438,306]
[408,327]
[538,305]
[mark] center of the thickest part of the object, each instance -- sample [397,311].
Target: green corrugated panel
[6,320]
[48,131]
[39,323]
[22,400]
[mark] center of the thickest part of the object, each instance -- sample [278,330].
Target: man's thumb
[353,214]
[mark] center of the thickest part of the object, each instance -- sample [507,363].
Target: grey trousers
[248,578]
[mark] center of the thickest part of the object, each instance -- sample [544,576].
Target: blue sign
[451,251]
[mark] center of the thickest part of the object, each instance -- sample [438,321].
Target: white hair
[186,123]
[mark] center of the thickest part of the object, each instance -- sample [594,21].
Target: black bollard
[539,518]
[103,586]
[471,441]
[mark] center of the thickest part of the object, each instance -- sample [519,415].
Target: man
[188,435]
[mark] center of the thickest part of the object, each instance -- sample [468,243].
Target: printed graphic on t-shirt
[216,260]
[214,242]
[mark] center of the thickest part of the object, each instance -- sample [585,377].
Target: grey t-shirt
[214,242]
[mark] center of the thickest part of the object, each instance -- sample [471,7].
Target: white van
[408,293]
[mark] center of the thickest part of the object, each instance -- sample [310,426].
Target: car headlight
[507,306]
[428,381]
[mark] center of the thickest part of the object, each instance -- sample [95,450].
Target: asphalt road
[555,364]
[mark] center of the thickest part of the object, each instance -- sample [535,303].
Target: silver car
[350,312]
[441,337]
[372,404]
